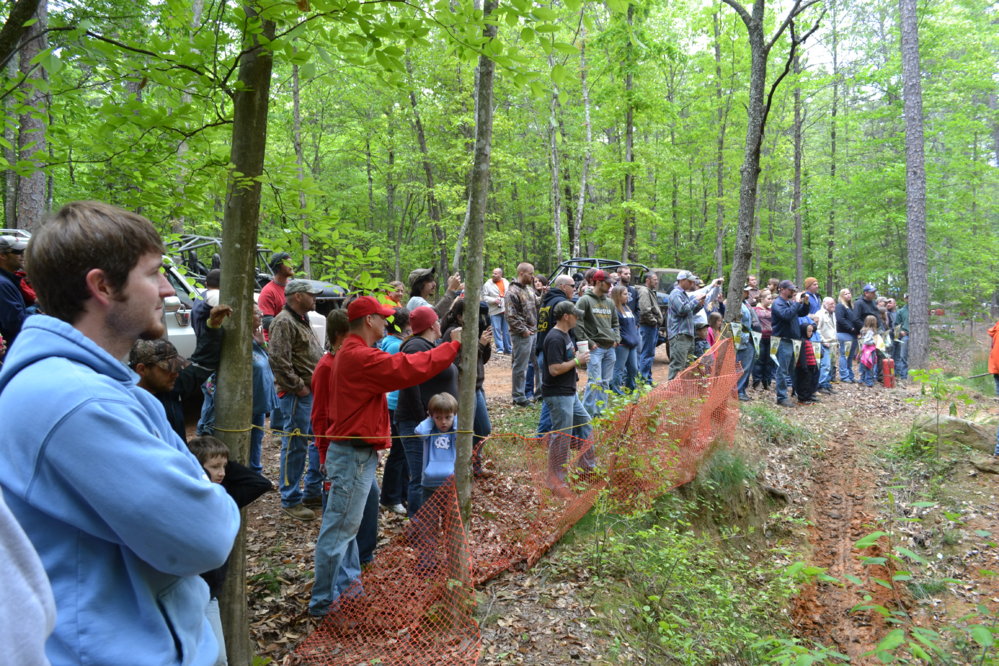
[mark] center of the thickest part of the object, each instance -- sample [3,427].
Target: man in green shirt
[598,325]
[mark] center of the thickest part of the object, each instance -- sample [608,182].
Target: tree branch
[14,28]
[796,10]
[741,11]
[795,42]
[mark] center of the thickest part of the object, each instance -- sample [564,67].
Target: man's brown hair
[82,236]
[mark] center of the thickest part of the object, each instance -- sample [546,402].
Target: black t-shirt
[413,400]
[559,348]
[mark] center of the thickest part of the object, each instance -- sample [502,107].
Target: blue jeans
[523,356]
[294,413]
[846,359]
[746,356]
[825,365]
[571,420]
[625,367]
[257,442]
[868,375]
[529,378]
[482,427]
[313,476]
[650,336]
[351,471]
[501,333]
[600,373]
[395,478]
[545,420]
[900,353]
[785,368]
[412,446]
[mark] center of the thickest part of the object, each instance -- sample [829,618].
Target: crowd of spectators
[386,382]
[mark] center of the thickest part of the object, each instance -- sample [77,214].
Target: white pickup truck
[177,311]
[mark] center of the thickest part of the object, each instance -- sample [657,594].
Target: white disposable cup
[583,346]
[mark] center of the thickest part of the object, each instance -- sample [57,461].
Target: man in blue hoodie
[786,314]
[121,514]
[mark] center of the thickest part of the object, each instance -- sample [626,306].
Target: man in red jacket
[359,418]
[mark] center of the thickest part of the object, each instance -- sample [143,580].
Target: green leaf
[894,639]
[911,555]
[981,635]
[559,74]
[869,540]
[527,34]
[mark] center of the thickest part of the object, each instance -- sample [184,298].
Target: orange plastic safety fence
[415,603]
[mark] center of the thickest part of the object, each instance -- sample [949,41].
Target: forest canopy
[619,132]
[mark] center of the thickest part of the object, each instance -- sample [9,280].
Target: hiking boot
[313,502]
[743,397]
[827,390]
[784,403]
[299,512]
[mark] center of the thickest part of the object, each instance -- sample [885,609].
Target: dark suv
[200,254]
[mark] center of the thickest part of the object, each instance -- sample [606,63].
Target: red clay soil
[842,513]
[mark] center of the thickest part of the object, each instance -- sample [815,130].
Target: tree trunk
[799,250]
[10,154]
[630,230]
[720,155]
[915,188]
[31,189]
[577,225]
[831,242]
[553,157]
[433,207]
[477,200]
[296,138]
[758,109]
[239,242]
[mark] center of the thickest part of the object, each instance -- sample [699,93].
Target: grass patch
[771,428]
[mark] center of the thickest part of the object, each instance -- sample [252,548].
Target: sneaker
[395,508]
[313,502]
[743,397]
[299,512]
[522,403]
[827,390]
[784,403]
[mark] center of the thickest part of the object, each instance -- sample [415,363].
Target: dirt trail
[842,513]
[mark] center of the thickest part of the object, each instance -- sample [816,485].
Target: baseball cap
[422,318]
[420,274]
[870,287]
[157,352]
[366,305]
[599,276]
[301,286]
[684,275]
[563,308]
[786,284]
[277,259]
[11,244]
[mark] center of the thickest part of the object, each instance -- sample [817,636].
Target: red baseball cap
[599,276]
[367,305]
[421,319]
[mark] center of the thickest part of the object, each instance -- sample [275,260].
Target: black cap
[277,259]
